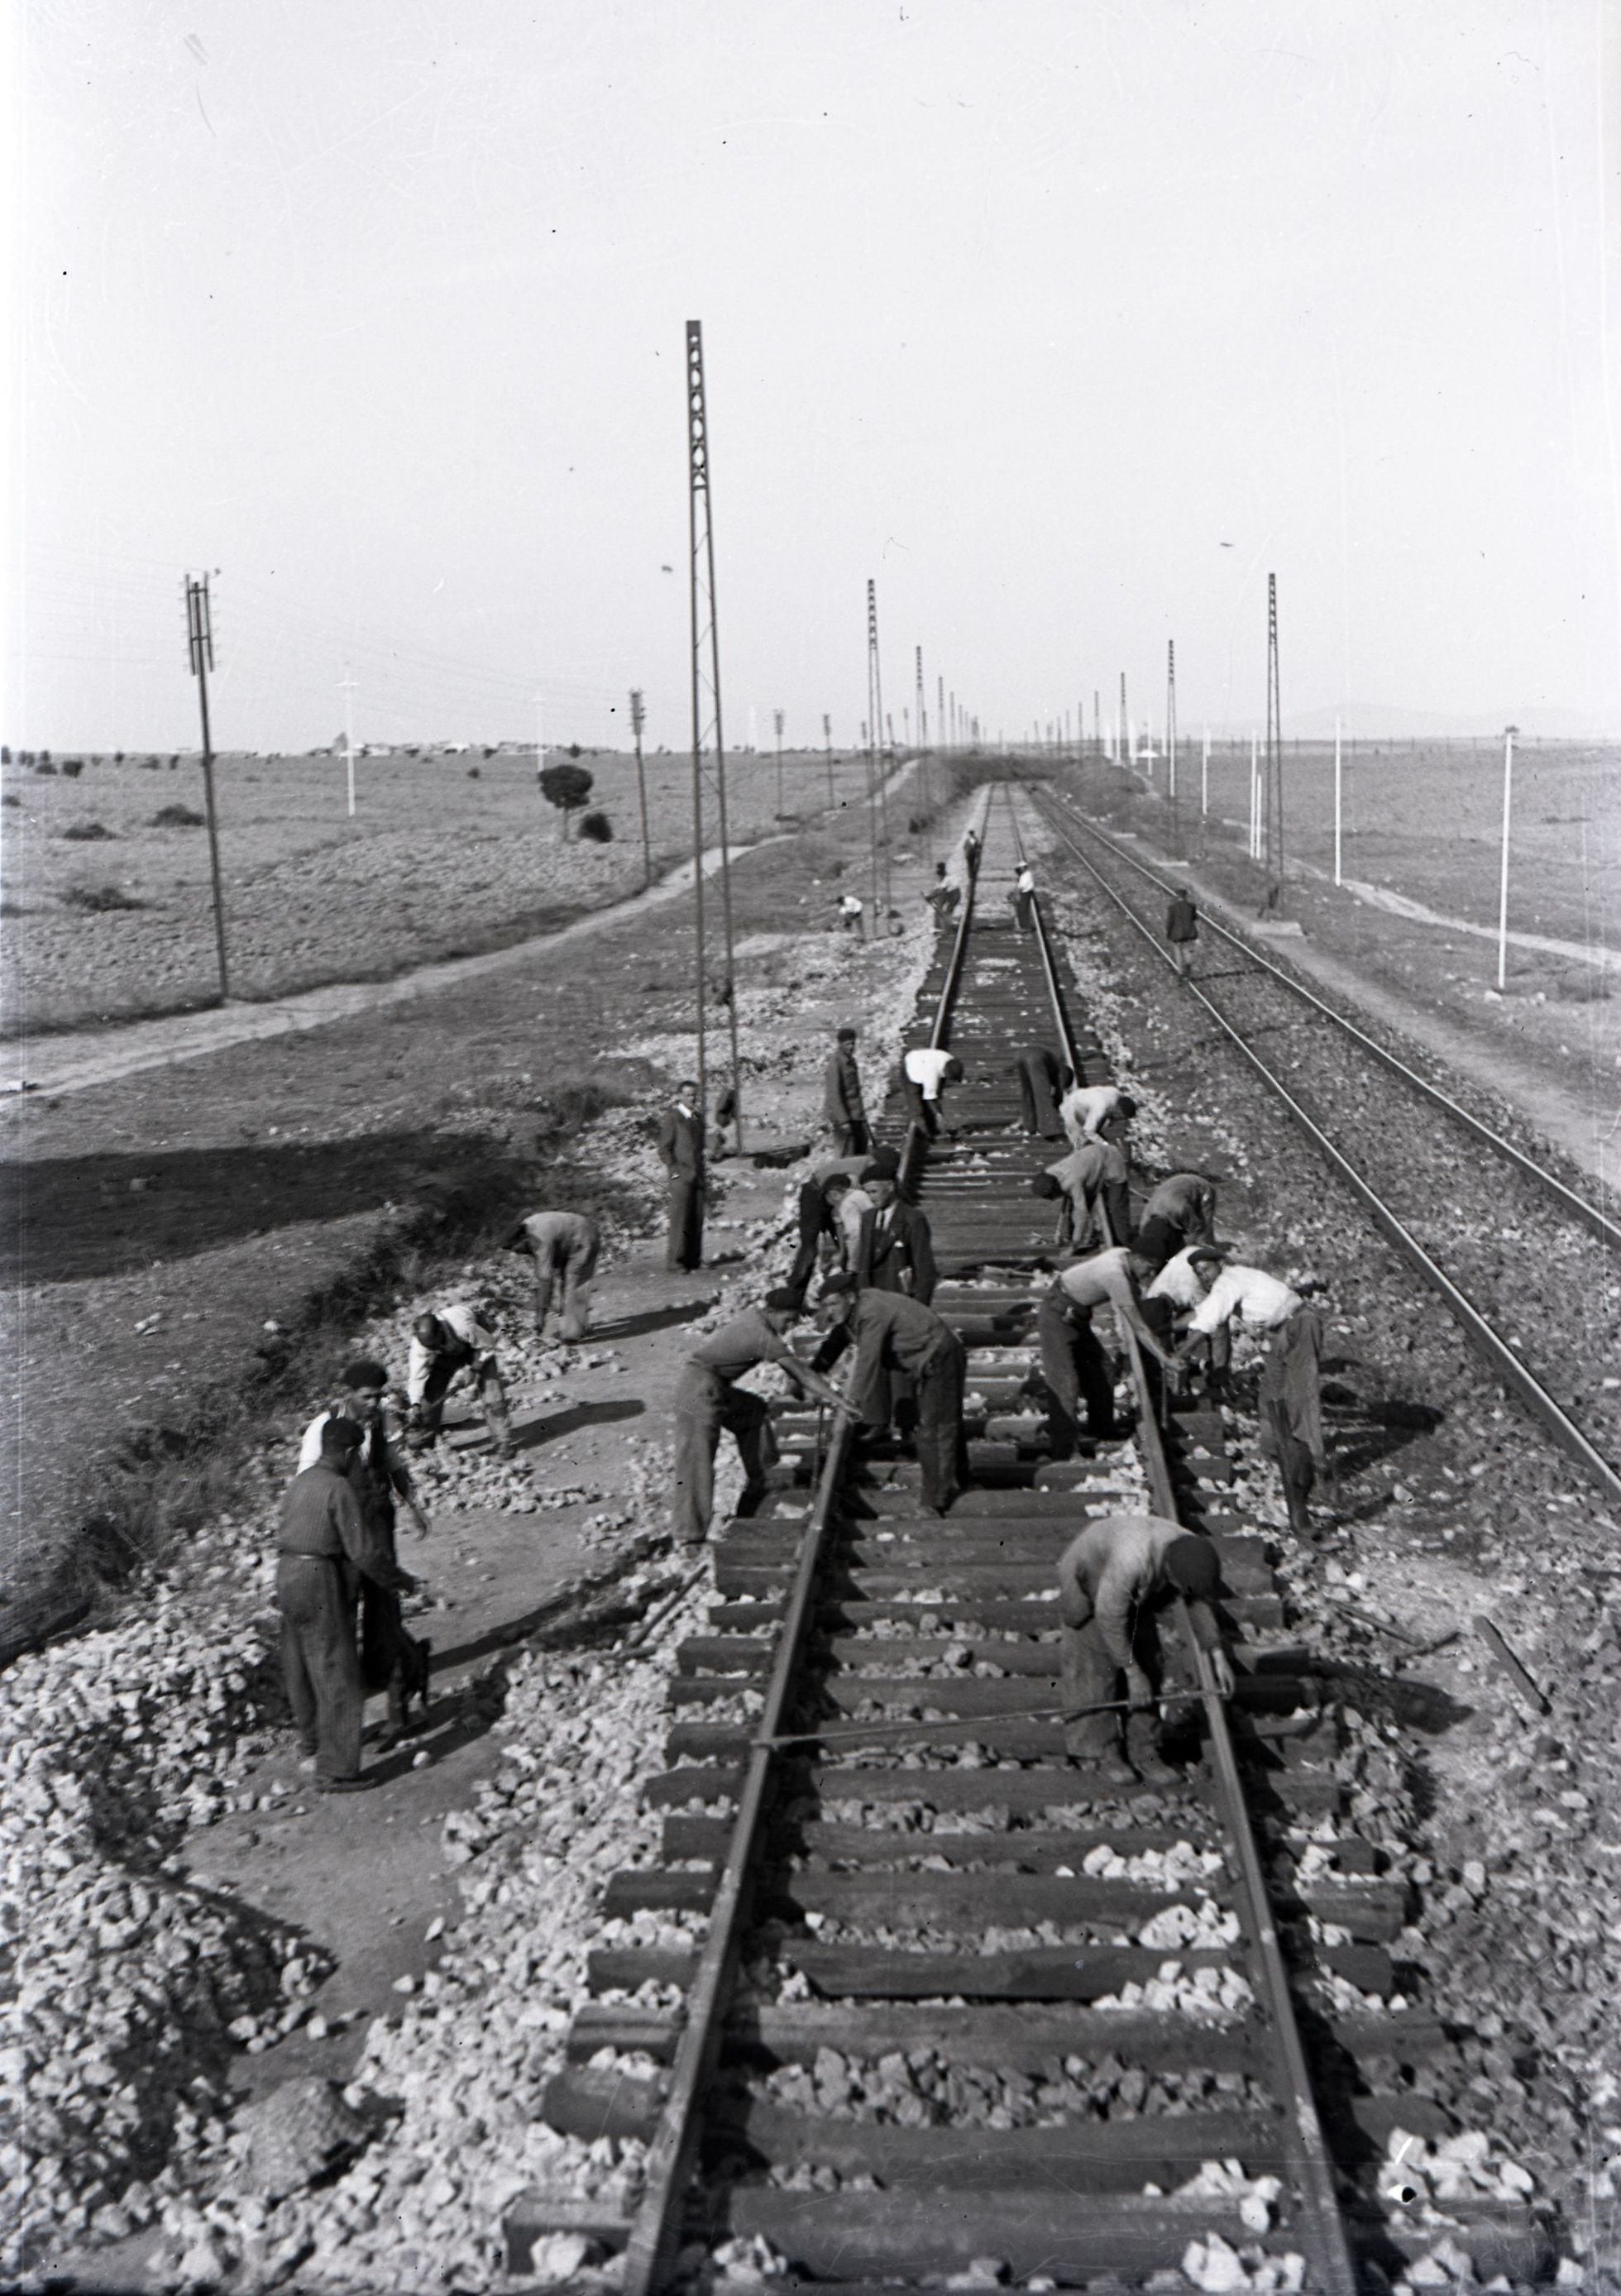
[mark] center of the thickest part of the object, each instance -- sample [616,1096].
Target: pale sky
[1066,322]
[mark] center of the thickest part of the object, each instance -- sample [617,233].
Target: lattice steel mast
[1273,832]
[709,747]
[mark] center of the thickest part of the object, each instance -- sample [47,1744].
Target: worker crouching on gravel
[894,1334]
[709,1403]
[443,1347]
[1112,1580]
[563,1246]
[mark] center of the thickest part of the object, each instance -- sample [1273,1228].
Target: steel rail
[1578,1206]
[655,2231]
[1515,1374]
[1305,2145]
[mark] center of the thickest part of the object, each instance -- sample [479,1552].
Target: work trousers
[319,1664]
[942,1447]
[1037,1105]
[1287,1395]
[1024,912]
[852,1139]
[707,1406]
[1076,1365]
[1295,1462]
[1182,953]
[685,1246]
[492,1397]
[573,1265]
[926,1113]
[813,1228]
[1091,1677]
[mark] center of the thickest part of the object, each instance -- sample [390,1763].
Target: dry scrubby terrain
[435,863]
[1424,821]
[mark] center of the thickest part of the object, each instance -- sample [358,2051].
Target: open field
[435,863]
[1422,821]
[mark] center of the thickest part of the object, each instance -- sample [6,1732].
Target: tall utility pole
[346,686]
[638,719]
[708,745]
[1097,722]
[776,719]
[200,640]
[1274,831]
[540,740]
[1122,728]
[1503,880]
[939,696]
[875,720]
[827,737]
[1170,739]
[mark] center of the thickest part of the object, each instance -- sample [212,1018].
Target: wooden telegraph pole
[638,719]
[1273,839]
[776,718]
[200,640]
[827,737]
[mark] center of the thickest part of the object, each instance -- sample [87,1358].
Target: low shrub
[178,816]
[45,767]
[73,767]
[598,828]
[87,833]
[95,899]
[9,799]
[473,773]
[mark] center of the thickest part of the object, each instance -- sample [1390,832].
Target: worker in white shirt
[1086,1108]
[442,1347]
[1112,1580]
[1289,1391]
[1180,1287]
[852,915]
[1023,898]
[924,1071]
[1074,1363]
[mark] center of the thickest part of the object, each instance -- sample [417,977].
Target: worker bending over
[324,1553]
[1181,1286]
[1090,1181]
[1181,1210]
[1086,1108]
[895,1335]
[709,1403]
[444,1346]
[925,1071]
[1112,1582]
[1074,1362]
[563,1246]
[1044,1079]
[1289,1391]
[821,1202]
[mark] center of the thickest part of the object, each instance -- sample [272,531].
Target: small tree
[567,787]
[6,754]
[598,828]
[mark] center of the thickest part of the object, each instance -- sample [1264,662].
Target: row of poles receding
[957,726]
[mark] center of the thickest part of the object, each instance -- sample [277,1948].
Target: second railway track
[1524,1264]
[911,1993]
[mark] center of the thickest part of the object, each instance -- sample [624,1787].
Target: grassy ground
[1424,822]
[160,1234]
[108,905]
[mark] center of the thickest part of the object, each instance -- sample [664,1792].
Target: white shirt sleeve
[416,1372]
[1218,1303]
[1177,1280]
[309,1447]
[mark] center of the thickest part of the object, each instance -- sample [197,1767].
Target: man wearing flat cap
[1112,1580]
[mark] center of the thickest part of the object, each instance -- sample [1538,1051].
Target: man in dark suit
[895,1252]
[681,1152]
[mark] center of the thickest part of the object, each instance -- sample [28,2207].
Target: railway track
[1522,1261]
[909,1989]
